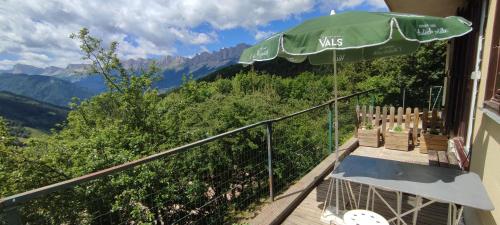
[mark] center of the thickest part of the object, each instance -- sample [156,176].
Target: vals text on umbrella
[331,41]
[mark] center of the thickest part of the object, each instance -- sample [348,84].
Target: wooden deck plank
[433,158]
[443,159]
[453,161]
[290,209]
[309,211]
[278,210]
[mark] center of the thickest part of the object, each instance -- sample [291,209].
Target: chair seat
[363,217]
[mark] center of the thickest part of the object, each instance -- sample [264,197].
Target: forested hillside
[132,120]
[43,88]
[27,112]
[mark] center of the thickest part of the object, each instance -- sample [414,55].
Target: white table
[437,184]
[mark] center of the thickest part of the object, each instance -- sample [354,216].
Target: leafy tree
[208,184]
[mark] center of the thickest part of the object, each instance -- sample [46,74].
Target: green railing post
[330,129]
[269,158]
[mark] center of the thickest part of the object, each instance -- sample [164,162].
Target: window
[492,95]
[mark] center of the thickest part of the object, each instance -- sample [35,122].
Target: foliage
[131,120]
[397,129]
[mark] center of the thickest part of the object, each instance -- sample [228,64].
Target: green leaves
[220,178]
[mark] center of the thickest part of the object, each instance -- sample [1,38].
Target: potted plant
[433,140]
[397,138]
[369,136]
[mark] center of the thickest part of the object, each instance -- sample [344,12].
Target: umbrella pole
[336,115]
[336,124]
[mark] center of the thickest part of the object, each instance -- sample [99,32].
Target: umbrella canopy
[355,36]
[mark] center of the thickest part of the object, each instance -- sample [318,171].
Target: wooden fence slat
[363,116]
[391,118]
[377,116]
[441,122]
[400,116]
[433,120]
[384,121]
[415,125]
[425,121]
[370,115]
[407,118]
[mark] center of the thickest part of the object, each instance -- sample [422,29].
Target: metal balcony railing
[227,176]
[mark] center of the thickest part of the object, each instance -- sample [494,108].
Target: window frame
[492,91]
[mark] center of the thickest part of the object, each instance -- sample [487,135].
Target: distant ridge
[43,88]
[30,112]
[173,68]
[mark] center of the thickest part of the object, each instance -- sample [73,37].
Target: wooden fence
[401,129]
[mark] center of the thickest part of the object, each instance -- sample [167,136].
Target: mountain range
[57,85]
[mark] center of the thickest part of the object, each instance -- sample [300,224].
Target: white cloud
[37,31]
[260,35]
[350,4]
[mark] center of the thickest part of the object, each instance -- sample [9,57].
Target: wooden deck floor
[310,209]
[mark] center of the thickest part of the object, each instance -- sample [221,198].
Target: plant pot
[370,138]
[397,140]
[436,142]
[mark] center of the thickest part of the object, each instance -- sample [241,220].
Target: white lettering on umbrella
[331,41]
[262,52]
[429,29]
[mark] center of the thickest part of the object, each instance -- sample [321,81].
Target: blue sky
[36,32]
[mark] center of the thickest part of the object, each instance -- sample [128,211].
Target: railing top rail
[17,199]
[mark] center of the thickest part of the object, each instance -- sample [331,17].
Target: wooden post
[441,123]
[425,120]
[384,121]
[415,125]
[363,116]
[377,116]
[407,123]
[400,116]
[433,120]
[370,115]
[391,117]
[408,118]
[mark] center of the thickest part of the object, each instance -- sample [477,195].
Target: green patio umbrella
[354,36]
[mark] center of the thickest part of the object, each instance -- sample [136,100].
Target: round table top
[363,217]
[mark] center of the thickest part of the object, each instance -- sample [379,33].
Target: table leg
[373,199]
[418,203]
[368,195]
[399,200]
[450,220]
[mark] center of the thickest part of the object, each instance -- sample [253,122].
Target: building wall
[485,159]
